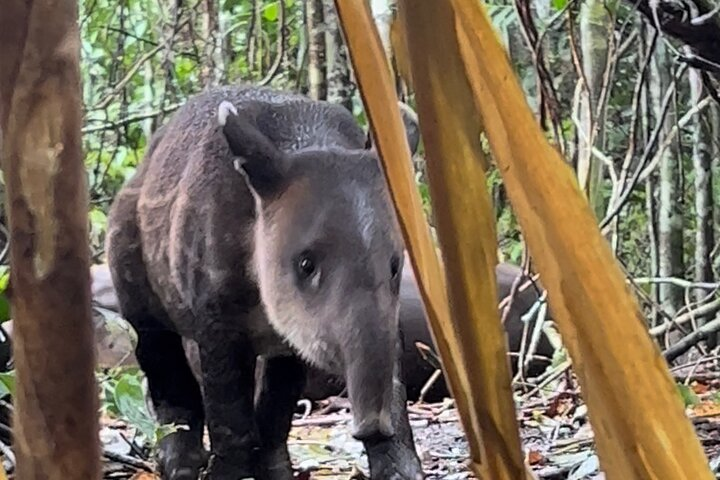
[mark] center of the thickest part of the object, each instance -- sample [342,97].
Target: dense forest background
[632,118]
[636,122]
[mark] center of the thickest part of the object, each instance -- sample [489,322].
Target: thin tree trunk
[670,207]
[340,85]
[594,30]
[382,11]
[317,68]
[56,403]
[714,115]
[702,160]
[213,68]
[645,123]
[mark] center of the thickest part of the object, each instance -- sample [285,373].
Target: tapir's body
[259,224]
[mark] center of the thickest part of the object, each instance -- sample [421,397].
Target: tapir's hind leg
[282,384]
[173,389]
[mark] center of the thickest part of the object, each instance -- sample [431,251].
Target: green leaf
[7,383]
[130,403]
[559,4]
[689,397]
[270,12]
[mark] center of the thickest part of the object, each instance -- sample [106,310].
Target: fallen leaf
[144,476]
[534,457]
[699,388]
[704,409]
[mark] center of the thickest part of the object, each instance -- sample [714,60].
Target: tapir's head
[329,258]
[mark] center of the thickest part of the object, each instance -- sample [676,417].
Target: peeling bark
[213,68]
[317,67]
[594,31]
[56,405]
[339,79]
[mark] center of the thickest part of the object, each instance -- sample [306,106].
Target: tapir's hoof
[391,460]
[178,461]
[221,469]
[275,465]
[398,474]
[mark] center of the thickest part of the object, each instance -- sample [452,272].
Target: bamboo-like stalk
[466,230]
[640,426]
[474,358]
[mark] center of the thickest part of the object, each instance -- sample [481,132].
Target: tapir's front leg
[228,371]
[282,385]
[395,458]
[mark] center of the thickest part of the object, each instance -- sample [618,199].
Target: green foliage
[5,313]
[7,383]
[123,397]
[689,397]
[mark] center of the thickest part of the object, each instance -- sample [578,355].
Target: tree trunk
[339,81]
[702,160]
[382,11]
[317,68]
[714,116]
[594,30]
[670,205]
[56,404]
[213,68]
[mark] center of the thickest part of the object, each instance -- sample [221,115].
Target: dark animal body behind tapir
[259,224]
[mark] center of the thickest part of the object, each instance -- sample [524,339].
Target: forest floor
[556,436]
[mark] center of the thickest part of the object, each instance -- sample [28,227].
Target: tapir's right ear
[262,163]
[412,129]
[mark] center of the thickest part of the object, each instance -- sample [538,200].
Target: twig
[128,460]
[321,421]
[428,385]
[8,453]
[139,117]
[706,309]
[679,282]
[689,341]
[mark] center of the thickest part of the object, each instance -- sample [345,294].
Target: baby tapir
[259,224]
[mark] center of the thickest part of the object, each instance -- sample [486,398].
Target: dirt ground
[556,436]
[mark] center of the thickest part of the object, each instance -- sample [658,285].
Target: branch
[689,341]
[130,119]
[700,31]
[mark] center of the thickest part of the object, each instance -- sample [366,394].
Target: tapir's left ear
[263,164]
[412,128]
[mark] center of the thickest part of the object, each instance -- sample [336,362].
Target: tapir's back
[191,143]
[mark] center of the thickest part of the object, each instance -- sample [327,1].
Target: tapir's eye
[305,267]
[394,266]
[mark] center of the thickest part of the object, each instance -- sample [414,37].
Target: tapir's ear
[412,128]
[261,162]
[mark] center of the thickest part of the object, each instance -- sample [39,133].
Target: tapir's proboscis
[259,225]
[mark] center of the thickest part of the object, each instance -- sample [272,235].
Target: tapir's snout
[370,356]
